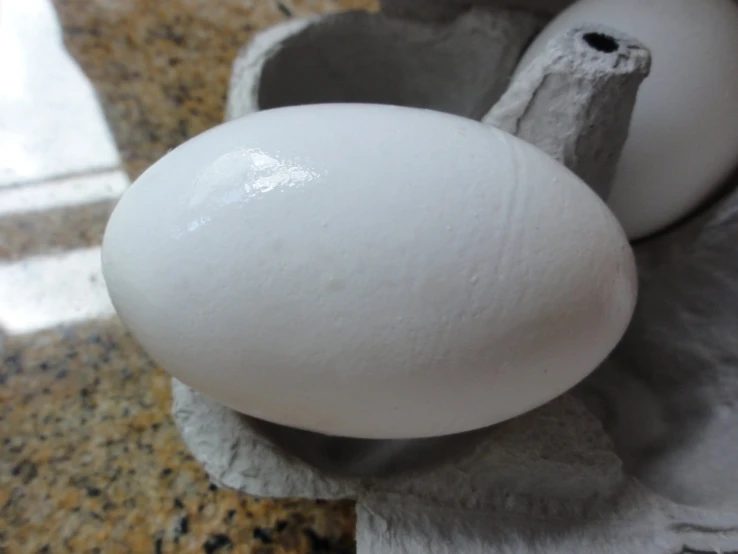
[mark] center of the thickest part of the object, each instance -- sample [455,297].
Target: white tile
[42,292]
[50,120]
[74,191]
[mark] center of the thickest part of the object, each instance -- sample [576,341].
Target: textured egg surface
[369,271]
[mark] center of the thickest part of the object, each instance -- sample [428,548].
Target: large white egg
[683,140]
[369,271]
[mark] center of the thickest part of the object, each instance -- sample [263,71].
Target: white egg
[683,140]
[369,271]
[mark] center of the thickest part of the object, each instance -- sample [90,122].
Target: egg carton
[549,481]
[574,101]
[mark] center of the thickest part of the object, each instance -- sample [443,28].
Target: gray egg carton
[549,481]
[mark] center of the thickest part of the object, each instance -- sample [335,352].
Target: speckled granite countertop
[91,460]
[162,68]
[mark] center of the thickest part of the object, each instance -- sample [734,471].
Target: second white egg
[683,141]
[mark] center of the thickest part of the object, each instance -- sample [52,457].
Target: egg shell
[683,140]
[369,271]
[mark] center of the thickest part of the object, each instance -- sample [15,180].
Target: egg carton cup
[546,482]
[550,480]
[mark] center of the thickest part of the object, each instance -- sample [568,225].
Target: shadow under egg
[360,458]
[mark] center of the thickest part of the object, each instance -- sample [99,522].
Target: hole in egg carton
[601,42]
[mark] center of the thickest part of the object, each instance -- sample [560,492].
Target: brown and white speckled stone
[91,459]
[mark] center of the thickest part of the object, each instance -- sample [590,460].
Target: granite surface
[91,461]
[162,68]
